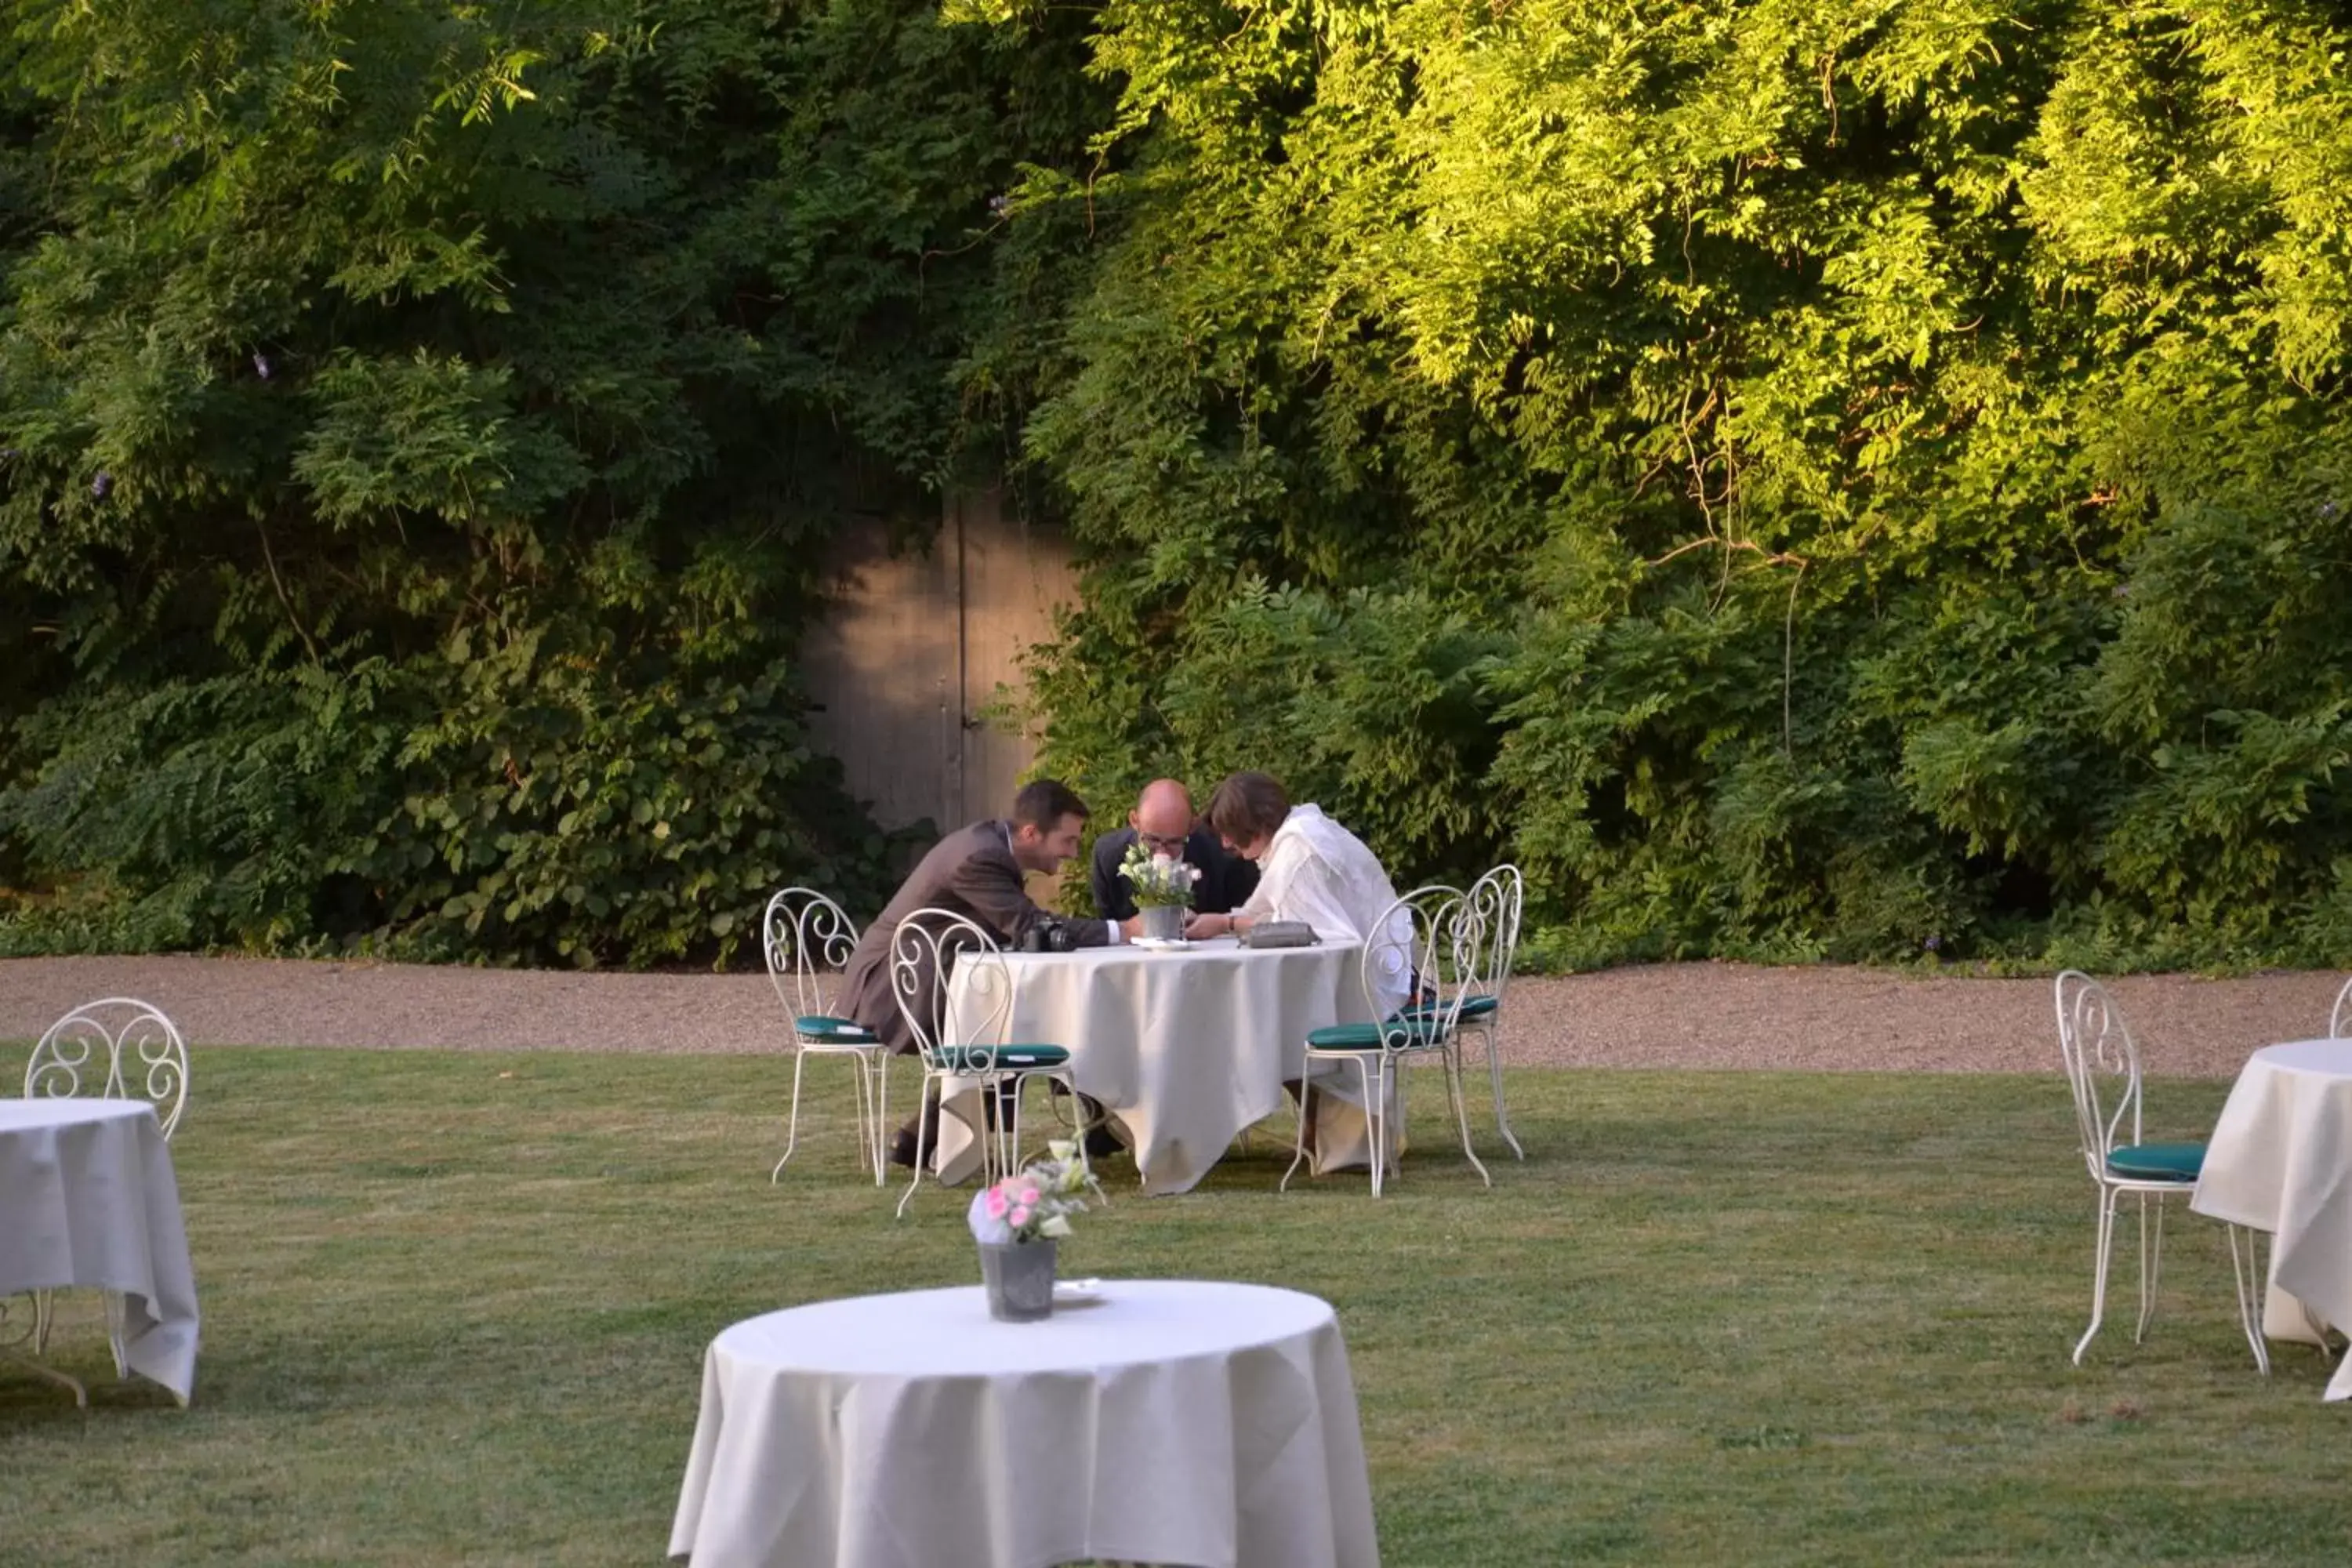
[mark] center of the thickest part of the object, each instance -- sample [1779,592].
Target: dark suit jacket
[971,872]
[1226,880]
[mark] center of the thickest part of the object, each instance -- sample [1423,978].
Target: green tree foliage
[1803,478]
[1820,478]
[419,425]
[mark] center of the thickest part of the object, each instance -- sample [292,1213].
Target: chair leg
[865,1115]
[1013,1161]
[45,1318]
[117,1311]
[1376,1113]
[1005,1109]
[1491,1039]
[2099,1270]
[2151,1262]
[39,1369]
[923,1125]
[881,1067]
[1460,1096]
[2251,1285]
[986,1132]
[792,1120]
[1085,1130]
[1298,1149]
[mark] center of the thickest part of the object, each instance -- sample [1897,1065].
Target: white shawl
[1315,871]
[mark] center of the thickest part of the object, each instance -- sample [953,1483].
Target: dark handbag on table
[1280,933]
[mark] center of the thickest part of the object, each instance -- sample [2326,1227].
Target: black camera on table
[1049,935]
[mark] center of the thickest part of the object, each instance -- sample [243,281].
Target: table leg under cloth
[15,1349]
[2288,1318]
[2285,1317]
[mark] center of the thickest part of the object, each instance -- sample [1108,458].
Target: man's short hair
[1043,804]
[1248,807]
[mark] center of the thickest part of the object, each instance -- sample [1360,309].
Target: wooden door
[919,645]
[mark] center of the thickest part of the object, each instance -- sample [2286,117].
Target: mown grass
[454,1307]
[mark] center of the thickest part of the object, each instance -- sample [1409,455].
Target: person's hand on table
[1131,927]
[1199,928]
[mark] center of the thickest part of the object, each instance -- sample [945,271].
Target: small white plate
[1160,944]
[1076,1292]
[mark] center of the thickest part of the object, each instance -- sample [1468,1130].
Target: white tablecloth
[88,1198]
[1174,1422]
[2280,1160]
[1185,1046]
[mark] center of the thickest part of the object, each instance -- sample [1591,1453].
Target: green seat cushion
[1480,1006]
[974,1059]
[1367,1036]
[831,1030]
[2157,1162]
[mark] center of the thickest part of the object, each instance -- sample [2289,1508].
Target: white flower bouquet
[1158,880]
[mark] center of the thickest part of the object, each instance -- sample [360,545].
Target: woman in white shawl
[1309,869]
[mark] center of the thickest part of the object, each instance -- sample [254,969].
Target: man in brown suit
[976,872]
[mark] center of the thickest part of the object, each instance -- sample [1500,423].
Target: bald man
[1164,820]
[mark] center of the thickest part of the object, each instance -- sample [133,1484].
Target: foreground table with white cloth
[2280,1160]
[88,1199]
[1184,1047]
[1164,1420]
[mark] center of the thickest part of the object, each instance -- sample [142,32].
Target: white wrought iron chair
[1427,945]
[1495,900]
[2102,1063]
[2340,1015]
[963,1044]
[807,940]
[117,1048]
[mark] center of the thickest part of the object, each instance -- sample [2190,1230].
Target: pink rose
[998,1202]
[1029,1196]
[1018,1218]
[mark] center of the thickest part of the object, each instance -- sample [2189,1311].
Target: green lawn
[455,1307]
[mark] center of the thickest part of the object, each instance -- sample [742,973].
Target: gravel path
[1677,1015]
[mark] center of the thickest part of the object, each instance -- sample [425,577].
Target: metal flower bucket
[1163,923]
[1020,1280]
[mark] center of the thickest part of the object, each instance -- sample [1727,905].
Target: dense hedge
[419,425]
[1806,477]
[1849,478]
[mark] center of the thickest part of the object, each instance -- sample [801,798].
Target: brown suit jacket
[971,872]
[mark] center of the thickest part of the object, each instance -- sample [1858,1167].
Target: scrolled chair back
[1495,901]
[2102,1066]
[1426,948]
[117,1048]
[806,939]
[2339,1017]
[929,948]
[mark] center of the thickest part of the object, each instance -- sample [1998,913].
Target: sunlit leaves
[1883,439]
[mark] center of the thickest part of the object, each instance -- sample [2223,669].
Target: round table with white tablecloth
[1185,1046]
[1153,1421]
[2280,1160]
[88,1198]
